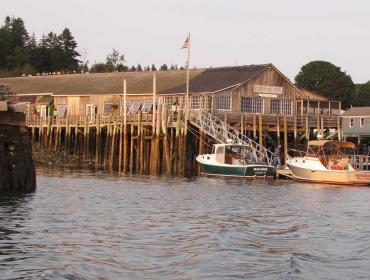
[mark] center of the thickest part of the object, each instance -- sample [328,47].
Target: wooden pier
[159,142]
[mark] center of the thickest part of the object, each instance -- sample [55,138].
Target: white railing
[223,133]
[360,162]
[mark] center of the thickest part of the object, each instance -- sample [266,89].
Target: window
[62,109]
[108,108]
[362,122]
[182,102]
[168,100]
[135,106]
[252,105]
[223,102]
[195,102]
[281,107]
[147,106]
[351,122]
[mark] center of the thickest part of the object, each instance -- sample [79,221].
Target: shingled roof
[357,112]
[97,83]
[215,79]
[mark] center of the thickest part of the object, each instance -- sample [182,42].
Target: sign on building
[268,89]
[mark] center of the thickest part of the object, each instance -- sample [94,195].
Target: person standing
[277,157]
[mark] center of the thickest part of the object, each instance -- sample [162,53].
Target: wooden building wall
[270,78]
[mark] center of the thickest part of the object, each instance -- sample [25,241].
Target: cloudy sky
[287,33]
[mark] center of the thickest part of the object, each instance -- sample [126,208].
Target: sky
[286,33]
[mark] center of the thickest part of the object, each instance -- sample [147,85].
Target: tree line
[115,62]
[329,80]
[22,53]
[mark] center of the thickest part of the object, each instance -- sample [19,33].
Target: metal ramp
[224,134]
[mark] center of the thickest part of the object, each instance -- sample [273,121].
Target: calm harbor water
[97,226]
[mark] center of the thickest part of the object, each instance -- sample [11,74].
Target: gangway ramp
[223,133]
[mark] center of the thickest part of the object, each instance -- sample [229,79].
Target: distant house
[250,89]
[356,124]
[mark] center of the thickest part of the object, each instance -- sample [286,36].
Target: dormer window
[362,122]
[351,122]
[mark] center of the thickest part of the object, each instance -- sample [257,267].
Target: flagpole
[187,98]
[187,73]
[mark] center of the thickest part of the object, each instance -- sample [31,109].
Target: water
[84,226]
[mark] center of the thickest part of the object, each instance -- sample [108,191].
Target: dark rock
[17,171]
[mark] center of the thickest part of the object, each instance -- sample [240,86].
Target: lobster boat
[331,162]
[235,160]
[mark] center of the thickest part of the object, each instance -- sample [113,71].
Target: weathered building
[251,89]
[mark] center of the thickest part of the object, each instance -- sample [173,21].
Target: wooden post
[165,140]
[140,143]
[85,140]
[154,100]
[260,132]
[49,133]
[285,139]
[242,123]
[97,140]
[125,147]
[318,124]
[113,145]
[75,143]
[295,129]
[339,128]
[120,143]
[66,137]
[278,129]
[131,164]
[254,127]
[307,128]
[106,144]
[322,126]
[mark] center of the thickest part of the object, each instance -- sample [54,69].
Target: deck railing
[360,162]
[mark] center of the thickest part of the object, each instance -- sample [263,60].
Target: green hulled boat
[234,160]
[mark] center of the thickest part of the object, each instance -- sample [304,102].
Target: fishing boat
[234,160]
[331,162]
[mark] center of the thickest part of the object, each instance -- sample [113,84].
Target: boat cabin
[234,154]
[334,155]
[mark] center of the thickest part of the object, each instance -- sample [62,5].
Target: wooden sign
[268,89]
[267,95]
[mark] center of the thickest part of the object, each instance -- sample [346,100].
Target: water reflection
[91,225]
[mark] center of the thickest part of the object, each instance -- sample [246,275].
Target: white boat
[234,160]
[331,162]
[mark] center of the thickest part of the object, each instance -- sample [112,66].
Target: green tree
[362,95]
[69,46]
[164,67]
[327,79]
[139,68]
[113,59]
[153,68]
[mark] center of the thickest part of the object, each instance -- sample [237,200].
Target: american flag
[186,44]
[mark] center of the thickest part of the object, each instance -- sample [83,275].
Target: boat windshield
[238,155]
[332,154]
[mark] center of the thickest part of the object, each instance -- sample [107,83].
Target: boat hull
[255,171]
[356,178]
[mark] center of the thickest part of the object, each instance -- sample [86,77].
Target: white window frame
[351,122]
[59,110]
[198,102]
[253,105]
[362,122]
[284,107]
[230,102]
[111,105]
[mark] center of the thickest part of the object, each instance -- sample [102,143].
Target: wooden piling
[285,138]
[260,129]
